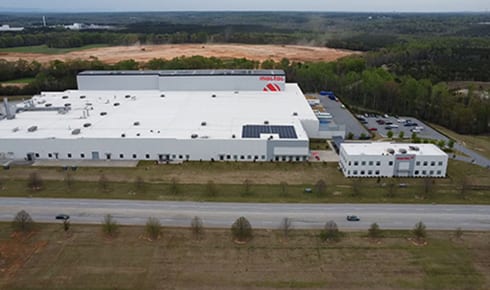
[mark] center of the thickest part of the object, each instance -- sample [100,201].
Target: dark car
[62,217]
[353,218]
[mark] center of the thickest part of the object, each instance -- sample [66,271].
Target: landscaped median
[245,182]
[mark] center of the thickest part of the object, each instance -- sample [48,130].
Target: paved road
[388,216]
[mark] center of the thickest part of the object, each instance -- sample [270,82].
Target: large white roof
[387,148]
[148,114]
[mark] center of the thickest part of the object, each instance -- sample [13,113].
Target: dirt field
[148,52]
[85,259]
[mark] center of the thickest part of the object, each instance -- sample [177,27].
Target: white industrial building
[382,159]
[244,115]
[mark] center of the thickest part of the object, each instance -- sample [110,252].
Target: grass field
[44,49]
[84,258]
[479,143]
[189,181]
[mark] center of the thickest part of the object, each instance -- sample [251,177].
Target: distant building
[382,159]
[7,28]
[83,26]
[221,115]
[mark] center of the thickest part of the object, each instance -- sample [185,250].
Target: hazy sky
[270,5]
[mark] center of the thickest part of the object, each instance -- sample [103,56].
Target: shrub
[320,187]
[241,229]
[22,222]
[110,225]
[197,227]
[419,231]
[330,232]
[374,231]
[286,226]
[153,228]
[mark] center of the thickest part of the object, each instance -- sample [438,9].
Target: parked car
[389,123]
[308,190]
[381,122]
[401,120]
[373,129]
[415,130]
[353,218]
[62,216]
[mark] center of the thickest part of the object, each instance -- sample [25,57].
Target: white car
[415,130]
[401,120]
[419,128]
[394,126]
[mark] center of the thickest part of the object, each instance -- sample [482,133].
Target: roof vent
[86,125]
[103,113]
[64,97]
[194,136]
[76,132]
[295,113]
[136,123]
[266,122]
[15,129]
[213,96]
[413,148]
[203,123]
[162,96]
[32,129]
[402,150]
[390,150]
[116,104]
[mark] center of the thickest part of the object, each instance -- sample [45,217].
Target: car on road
[62,216]
[353,218]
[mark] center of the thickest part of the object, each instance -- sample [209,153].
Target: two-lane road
[261,215]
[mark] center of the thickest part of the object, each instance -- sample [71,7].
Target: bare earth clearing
[169,51]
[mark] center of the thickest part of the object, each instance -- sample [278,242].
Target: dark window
[354,172]
[356,163]
[417,163]
[424,172]
[50,155]
[439,172]
[432,163]
[377,172]
[363,163]
[82,155]
[243,157]
[378,163]
[425,163]
[390,163]
[370,172]
[228,156]
[147,156]
[249,157]
[69,155]
[263,157]
[134,156]
[121,155]
[180,157]
[370,163]
[416,172]
[350,163]
[37,154]
[362,172]
[431,172]
[440,163]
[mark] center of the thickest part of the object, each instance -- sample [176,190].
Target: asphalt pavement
[261,215]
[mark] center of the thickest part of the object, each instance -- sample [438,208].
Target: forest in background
[409,58]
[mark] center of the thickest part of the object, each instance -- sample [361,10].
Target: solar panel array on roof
[254,131]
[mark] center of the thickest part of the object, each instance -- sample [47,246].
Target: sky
[245,5]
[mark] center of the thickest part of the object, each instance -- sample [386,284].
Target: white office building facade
[382,159]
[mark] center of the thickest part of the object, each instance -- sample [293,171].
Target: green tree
[389,134]
[441,144]
[241,230]
[22,222]
[450,144]
[374,231]
[110,226]
[330,232]
[153,228]
[401,135]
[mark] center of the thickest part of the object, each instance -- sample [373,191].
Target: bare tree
[374,231]
[66,225]
[458,233]
[69,181]
[197,227]
[356,187]
[241,230]
[35,181]
[286,227]
[104,183]
[391,189]
[465,186]
[174,186]
[284,188]
[211,189]
[22,221]
[419,231]
[428,187]
[153,228]
[321,187]
[140,184]
[110,225]
[330,232]
[2,184]
[247,187]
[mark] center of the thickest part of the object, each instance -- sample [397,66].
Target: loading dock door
[95,155]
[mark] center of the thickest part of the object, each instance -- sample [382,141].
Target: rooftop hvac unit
[402,150]
[414,148]
[194,136]
[136,123]
[32,129]
[76,132]
[86,125]
[203,123]
[390,150]
[15,129]
[162,96]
